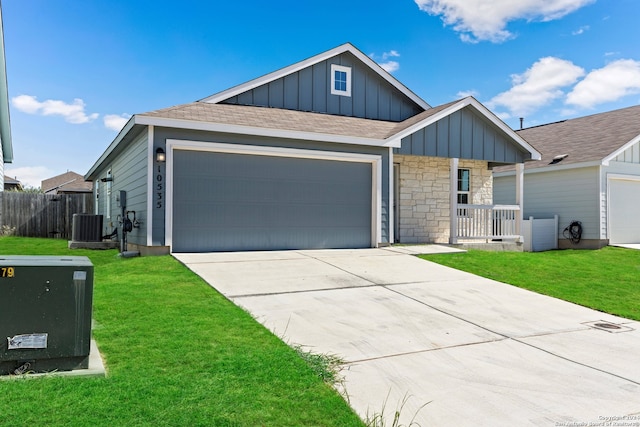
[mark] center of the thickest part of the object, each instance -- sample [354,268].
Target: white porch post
[453,201]
[519,197]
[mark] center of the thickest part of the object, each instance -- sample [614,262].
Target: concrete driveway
[481,352]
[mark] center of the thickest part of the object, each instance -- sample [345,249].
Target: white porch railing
[487,222]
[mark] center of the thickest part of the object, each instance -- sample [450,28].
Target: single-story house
[66,183]
[590,173]
[330,152]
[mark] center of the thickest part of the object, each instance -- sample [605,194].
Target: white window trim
[374,160]
[347,70]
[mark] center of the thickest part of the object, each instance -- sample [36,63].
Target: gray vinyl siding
[572,194]
[129,173]
[465,135]
[309,89]
[162,134]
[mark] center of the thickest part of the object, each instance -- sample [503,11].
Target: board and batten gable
[162,134]
[309,89]
[465,135]
[128,172]
[630,155]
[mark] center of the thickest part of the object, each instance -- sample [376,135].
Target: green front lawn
[177,353]
[607,279]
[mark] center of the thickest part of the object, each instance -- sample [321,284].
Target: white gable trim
[114,144]
[347,47]
[468,101]
[625,147]
[259,131]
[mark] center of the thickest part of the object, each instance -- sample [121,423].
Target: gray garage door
[624,204]
[231,202]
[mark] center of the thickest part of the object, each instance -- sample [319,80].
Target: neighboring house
[330,152]
[590,172]
[6,147]
[12,184]
[66,183]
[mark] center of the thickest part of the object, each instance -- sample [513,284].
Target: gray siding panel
[309,89]
[291,92]
[571,194]
[226,202]
[463,134]
[129,173]
[305,96]
[319,86]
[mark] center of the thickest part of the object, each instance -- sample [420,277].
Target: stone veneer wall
[424,196]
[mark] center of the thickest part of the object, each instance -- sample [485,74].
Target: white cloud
[72,113]
[390,66]
[116,122]
[537,86]
[610,83]
[387,65]
[479,20]
[30,176]
[466,93]
[580,30]
[390,54]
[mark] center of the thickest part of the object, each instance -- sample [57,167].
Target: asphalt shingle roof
[276,118]
[585,139]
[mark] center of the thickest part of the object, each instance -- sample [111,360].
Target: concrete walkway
[482,353]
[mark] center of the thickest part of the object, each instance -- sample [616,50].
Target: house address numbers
[159,183]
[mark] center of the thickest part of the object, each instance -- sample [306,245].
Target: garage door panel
[624,211]
[226,201]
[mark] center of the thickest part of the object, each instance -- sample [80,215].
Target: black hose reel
[573,232]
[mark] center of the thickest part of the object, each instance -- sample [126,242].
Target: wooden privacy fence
[42,215]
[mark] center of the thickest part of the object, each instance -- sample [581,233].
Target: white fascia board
[268,132]
[470,101]
[612,156]
[123,132]
[550,168]
[347,47]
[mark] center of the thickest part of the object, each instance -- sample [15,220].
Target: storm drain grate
[608,326]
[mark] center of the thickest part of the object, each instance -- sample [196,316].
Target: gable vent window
[340,80]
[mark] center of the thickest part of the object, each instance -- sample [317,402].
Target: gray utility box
[45,313]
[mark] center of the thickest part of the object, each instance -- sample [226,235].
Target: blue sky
[78,70]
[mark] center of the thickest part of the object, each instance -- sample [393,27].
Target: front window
[340,80]
[464,186]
